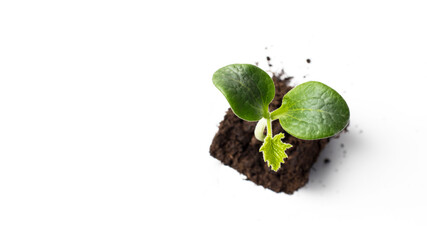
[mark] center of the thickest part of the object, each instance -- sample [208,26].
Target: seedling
[309,111]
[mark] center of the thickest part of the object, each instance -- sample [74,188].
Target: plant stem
[260,128]
[269,128]
[276,113]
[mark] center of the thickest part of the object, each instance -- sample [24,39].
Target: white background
[107,111]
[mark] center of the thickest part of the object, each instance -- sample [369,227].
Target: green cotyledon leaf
[273,151]
[247,88]
[311,111]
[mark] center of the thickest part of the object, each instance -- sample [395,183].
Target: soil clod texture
[236,146]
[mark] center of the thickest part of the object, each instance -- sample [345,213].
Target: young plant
[309,111]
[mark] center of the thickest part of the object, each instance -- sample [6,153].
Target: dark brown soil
[235,145]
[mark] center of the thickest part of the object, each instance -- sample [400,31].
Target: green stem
[269,128]
[260,128]
[276,113]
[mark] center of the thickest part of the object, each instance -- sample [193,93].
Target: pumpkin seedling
[309,111]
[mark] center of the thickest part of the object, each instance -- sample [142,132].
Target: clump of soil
[236,146]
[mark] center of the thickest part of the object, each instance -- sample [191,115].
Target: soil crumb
[269,61]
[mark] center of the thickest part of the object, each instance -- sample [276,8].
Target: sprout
[309,111]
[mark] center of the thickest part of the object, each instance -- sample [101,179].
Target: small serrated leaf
[273,151]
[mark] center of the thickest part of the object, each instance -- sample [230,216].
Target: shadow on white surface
[325,172]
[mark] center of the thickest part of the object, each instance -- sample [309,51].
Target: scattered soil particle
[308,60]
[269,61]
[326,161]
[236,146]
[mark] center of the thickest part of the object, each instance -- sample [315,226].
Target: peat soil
[236,146]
